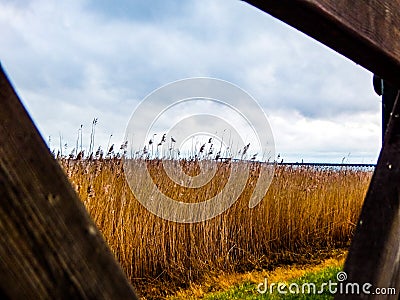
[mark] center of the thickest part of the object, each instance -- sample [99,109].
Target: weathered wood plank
[368,32]
[365,31]
[49,246]
[374,255]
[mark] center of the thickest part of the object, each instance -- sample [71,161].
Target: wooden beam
[365,31]
[374,255]
[49,246]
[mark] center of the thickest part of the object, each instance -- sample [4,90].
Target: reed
[306,210]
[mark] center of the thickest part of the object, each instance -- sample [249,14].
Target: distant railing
[345,165]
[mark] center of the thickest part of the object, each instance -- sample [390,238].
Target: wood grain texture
[374,255]
[365,31]
[49,246]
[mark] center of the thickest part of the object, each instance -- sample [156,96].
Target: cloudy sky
[73,61]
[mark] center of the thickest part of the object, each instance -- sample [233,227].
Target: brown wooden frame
[367,32]
[51,249]
[49,246]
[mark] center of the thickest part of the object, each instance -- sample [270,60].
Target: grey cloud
[78,60]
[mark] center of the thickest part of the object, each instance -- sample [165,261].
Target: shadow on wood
[374,255]
[367,32]
[49,246]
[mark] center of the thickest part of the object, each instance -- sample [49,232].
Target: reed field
[306,212]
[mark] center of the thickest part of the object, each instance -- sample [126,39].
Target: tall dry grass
[305,210]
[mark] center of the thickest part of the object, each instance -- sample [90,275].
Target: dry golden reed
[305,210]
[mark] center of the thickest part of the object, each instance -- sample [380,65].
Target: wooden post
[51,249]
[389,94]
[374,255]
[49,246]
[367,32]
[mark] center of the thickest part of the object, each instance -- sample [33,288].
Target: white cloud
[298,137]
[76,60]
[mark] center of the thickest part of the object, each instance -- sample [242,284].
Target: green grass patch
[248,290]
